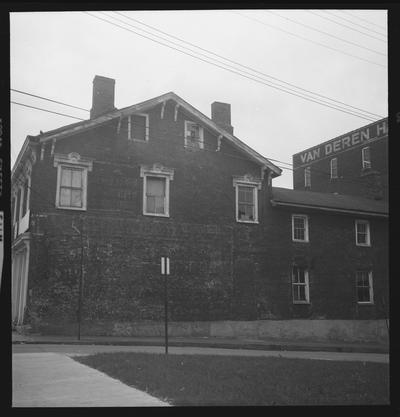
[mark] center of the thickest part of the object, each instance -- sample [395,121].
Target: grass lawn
[233,380]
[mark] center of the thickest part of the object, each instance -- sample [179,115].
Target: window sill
[247,221]
[363,245]
[365,303]
[301,302]
[139,140]
[300,241]
[155,215]
[71,208]
[193,148]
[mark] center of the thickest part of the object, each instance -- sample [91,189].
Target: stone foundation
[367,331]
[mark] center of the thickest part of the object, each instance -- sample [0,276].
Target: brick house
[105,198]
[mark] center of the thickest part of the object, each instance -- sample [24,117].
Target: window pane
[77,178]
[66,177]
[363,294]
[76,198]
[155,186]
[246,195]
[65,197]
[246,212]
[138,127]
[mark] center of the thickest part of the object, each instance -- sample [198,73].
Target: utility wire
[233,71]
[362,19]
[326,33]
[49,111]
[309,40]
[48,99]
[346,26]
[245,66]
[356,24]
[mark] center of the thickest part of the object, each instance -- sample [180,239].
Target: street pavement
[45,375]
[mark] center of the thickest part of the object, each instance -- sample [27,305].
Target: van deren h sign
[345,142]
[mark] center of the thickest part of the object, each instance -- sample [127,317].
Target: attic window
[138,127]
[194,135]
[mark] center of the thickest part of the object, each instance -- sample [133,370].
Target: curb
[250,346]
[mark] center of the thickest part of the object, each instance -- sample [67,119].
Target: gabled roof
[329,202]
[145,105]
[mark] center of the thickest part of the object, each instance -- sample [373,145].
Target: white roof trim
[151,103]
[338,210]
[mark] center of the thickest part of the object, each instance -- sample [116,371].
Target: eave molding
[329,209]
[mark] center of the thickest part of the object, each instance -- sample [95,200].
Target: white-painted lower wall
[373,331]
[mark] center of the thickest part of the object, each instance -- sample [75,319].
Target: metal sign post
[165,272]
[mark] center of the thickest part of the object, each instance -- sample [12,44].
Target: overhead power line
[279,87]
[48,99]
[235,71]
[362,19]
[48,111]
[326,33]
[357,24]
[310,40]
[346,26]
[245,66]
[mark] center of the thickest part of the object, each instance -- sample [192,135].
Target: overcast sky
[57,54]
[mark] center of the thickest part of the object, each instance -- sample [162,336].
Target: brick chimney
[103,96]
[221,115]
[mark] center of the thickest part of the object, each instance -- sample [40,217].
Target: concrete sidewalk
[211,342]
[56,380]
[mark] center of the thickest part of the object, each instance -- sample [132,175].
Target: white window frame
[72,161]
[371,289]
[366,163]
[366,222]
[334,168]
[306,232]
[130,127]
[201,134]
[247,181]
[306,285]
[307,177]
[156,170]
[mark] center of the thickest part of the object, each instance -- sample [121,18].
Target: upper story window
[334,168]
[366,157]
[72,172]
[300,285]
[307,177]
[156,184]
[194,135]
[364,288]
[299,228]
[246,189]
[363,233]
[138,127]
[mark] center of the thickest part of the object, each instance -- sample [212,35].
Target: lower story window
[155,195]
[156,185]
[364,287]
[300,285]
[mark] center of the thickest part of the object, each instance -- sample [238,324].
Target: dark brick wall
[220,269]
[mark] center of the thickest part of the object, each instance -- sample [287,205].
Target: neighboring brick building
[161,179]
[355,163]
